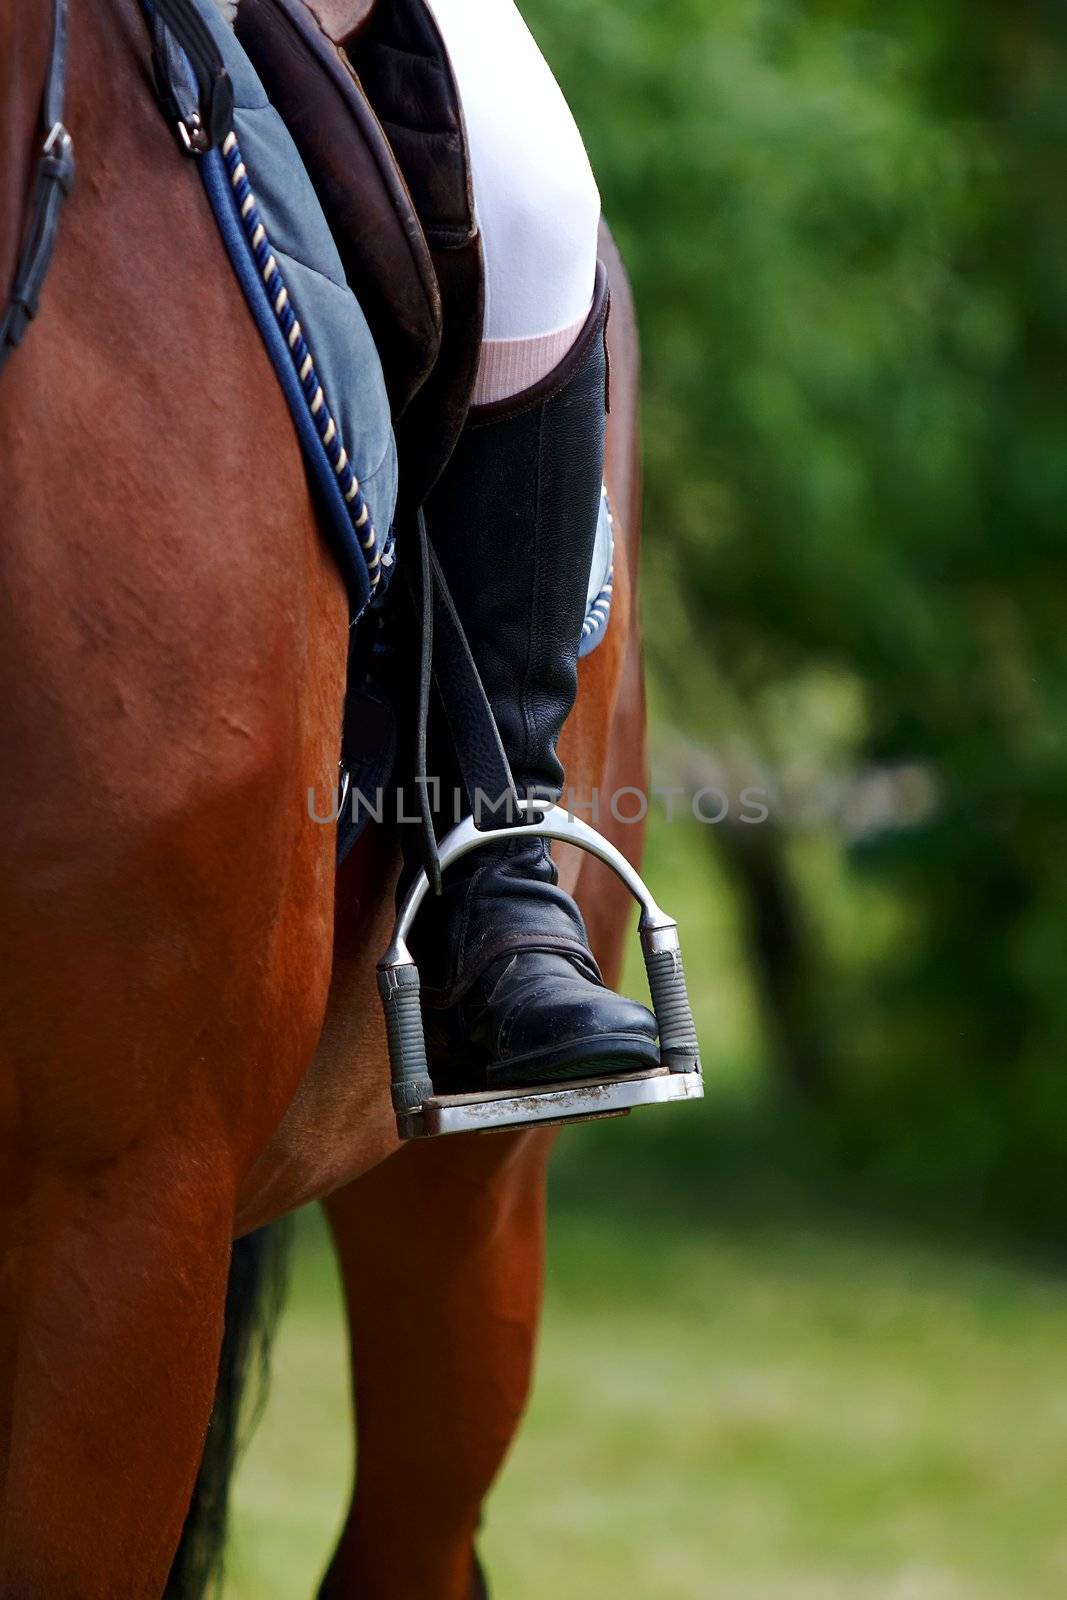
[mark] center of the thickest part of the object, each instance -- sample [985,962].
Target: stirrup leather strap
[446,659]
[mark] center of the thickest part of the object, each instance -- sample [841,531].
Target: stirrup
[421,1113]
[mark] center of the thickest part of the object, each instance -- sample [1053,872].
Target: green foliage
[847,232]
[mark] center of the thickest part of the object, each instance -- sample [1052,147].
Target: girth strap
[52,183]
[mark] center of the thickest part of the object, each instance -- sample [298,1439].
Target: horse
[190,1039]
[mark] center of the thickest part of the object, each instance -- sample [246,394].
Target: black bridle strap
[201,126]
[52,183]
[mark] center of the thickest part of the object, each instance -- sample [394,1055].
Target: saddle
[368,95]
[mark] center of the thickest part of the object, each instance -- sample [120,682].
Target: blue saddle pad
[317,337]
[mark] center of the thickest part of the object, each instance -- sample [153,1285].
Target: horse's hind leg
[441,1251]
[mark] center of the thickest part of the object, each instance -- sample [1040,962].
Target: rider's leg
[534,193]
[513,995]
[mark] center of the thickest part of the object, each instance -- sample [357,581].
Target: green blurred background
[811,1341]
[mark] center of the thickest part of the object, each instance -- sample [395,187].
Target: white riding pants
[534,194]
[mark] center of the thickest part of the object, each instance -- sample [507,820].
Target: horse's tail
[254,1296]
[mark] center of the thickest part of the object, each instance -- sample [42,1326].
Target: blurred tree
[847,229]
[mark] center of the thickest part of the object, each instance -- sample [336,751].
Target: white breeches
[534,193]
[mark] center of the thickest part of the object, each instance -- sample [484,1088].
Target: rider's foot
[534,1018]
[512,995]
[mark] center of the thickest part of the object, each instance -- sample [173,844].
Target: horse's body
[172,649]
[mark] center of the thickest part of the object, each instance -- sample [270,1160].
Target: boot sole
[606,1055]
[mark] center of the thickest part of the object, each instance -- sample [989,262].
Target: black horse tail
[255,1294]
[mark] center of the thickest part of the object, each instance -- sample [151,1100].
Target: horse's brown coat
[172,637]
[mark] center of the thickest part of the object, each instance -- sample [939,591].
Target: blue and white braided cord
[375,555]
[596,617]
[600,610]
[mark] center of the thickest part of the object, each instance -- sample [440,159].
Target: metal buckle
[191,135]
[57,134]
[57,156]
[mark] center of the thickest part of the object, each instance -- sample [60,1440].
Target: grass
[786,1414]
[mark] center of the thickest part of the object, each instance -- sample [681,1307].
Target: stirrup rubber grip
[402,1001]
[679,1047]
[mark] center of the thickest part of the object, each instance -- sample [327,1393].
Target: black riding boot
[511,992]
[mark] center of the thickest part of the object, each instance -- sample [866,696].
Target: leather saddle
[369,97]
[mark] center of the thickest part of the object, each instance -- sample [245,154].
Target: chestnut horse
[190,1043]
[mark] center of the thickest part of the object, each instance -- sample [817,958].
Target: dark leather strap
[483,762]
[445,656]
[52,183]
[203,124]
[422,784]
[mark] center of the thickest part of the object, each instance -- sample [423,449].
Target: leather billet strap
[203,120]
[53,181]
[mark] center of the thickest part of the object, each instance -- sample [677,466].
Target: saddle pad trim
[601,580]
[219,188]
[351,431]
[596,623]
[303,363]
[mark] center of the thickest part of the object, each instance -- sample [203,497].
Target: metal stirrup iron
[421,1113]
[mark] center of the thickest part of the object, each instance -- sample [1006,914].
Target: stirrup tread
[581,1100]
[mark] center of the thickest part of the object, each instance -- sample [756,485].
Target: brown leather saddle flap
[361,190]
[340,19]
[369,97]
